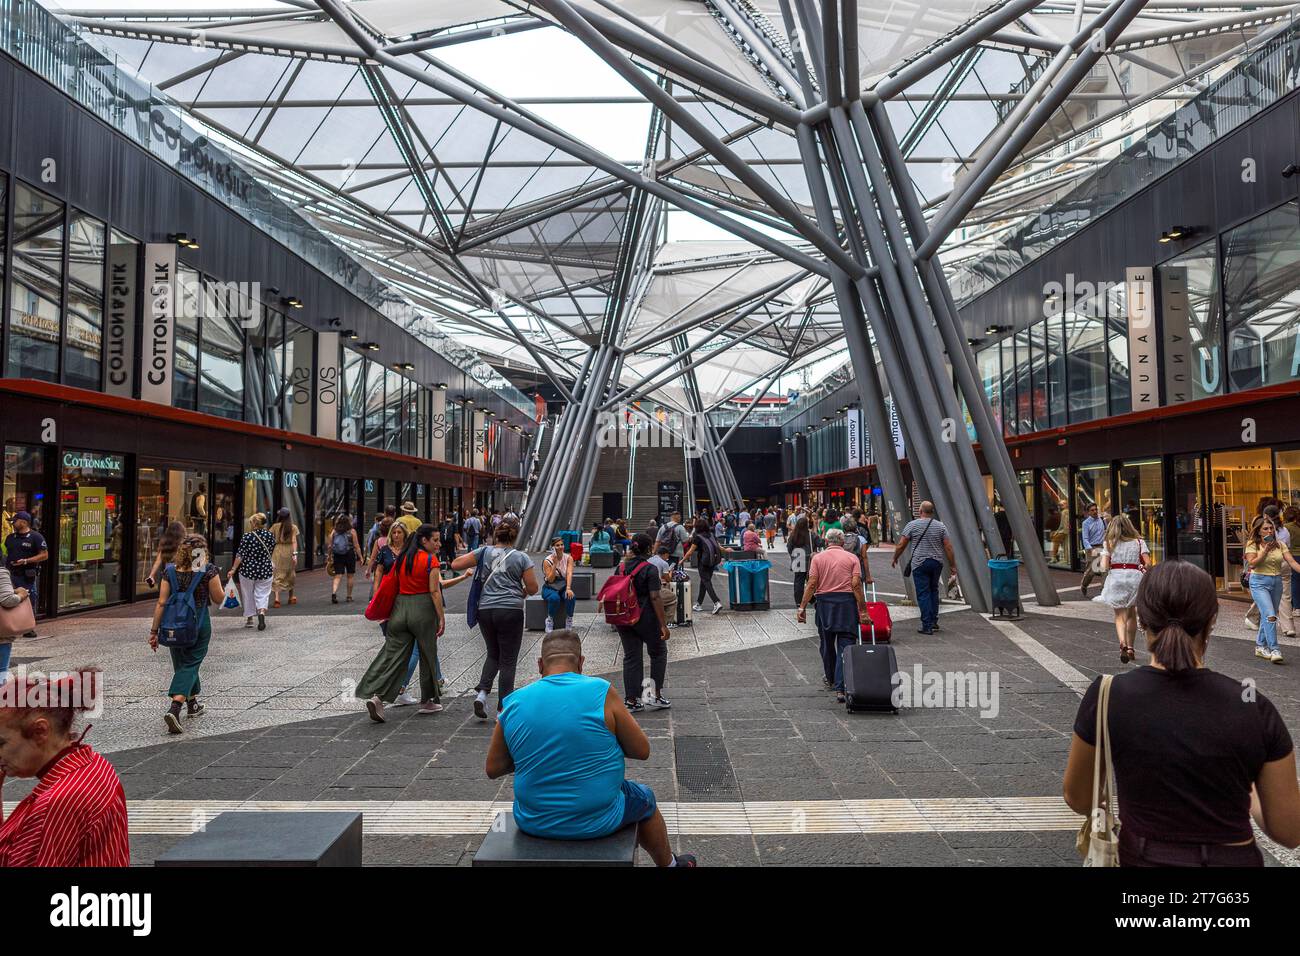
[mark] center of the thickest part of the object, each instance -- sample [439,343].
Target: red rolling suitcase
[878,611]
[575,552]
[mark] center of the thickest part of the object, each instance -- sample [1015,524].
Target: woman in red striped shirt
[76,815]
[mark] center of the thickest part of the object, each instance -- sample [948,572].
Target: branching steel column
[949,325]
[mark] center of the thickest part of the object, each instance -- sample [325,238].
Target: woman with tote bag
[16,617]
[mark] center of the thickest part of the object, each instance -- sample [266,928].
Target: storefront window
[1191,517]
[91,486]
[1261,285]
[1197,272]
[1055,370]
[1024,384]
[1038,370]
[189,307]
[295,499]
[36,286]
[1056,516]
[1085,361]
[1288,481]
[1238,480]
[352,397]
[273,345]
[151,520]
[330,501]
[1008,362]
[221,385]
[224,524]
[373,435]
[259,494]
[1121,395]
[24,490]
[85,328]
[1142,499]
[1092,487]
[393,401]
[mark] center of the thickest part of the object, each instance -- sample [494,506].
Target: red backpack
[618,598]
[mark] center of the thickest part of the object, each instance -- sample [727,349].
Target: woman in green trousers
[191,559]
[417,618]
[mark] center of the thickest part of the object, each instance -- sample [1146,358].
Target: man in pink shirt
[835,579]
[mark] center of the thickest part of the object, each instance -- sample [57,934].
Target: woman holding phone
[1265,555]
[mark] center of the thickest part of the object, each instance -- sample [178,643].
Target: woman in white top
[558,589]
[1124,559]
[10,596]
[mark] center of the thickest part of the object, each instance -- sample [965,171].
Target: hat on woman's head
[282,514]
[408,508]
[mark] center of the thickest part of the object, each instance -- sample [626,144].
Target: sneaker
[430,708]
[717,609]
[924,630]
[376,708]
[194,709]
[634,706]
[405,699]
[549,626]
[1276,657]
[1250,623]
[480,711]
[935,626]
[29,634]
[685,859]
[248,622]
[659,703]
[828,683]
[697,608]
[173,720]
[1264,652]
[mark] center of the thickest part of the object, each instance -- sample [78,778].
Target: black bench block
[266,838]
[584,585]
[506,845]
[602,559]
[535,613]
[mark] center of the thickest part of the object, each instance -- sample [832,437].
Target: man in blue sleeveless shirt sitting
[565,738]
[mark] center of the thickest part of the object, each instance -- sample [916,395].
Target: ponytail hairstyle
[1177,606]
[170,540]
[506,532]
[1119,529]
[642,545]
[184,557]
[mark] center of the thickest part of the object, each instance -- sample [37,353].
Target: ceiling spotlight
[1180,232]
[349,334]
[440,386]
[183,239]
[1165,237]
[468,401]
[370,346]
[292,301]
[403,366]
[996,329]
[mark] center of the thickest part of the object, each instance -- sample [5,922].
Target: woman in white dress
[1124,559]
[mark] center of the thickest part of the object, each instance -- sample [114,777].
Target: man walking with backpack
[710,552]
[633,602]
[673,535]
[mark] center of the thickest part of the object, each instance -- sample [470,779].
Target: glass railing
[74,61]
[1260,78]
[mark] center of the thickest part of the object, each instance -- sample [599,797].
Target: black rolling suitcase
[869,675]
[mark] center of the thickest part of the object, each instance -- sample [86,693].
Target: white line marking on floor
[1055,665]
[450,817]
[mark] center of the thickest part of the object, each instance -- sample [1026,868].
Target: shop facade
[102,478]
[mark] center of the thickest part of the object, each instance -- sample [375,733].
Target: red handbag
[380,607]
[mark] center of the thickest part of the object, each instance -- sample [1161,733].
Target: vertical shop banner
[92,518]
[438,426]
[327,385]
[1177,336]
[159,340]
[121,319]
[896,428]
[300,380]
[478,440]
[1139,293]
[856,459]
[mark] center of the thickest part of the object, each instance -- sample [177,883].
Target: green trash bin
[1004,578]
[747,585]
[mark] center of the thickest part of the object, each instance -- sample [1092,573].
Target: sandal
[275,603]
[1126,653]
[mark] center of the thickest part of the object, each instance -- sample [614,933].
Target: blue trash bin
[747,585]
[1004,578]
[569,538]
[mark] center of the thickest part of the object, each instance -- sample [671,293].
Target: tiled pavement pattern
[750,727]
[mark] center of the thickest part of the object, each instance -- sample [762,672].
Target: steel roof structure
[831,152]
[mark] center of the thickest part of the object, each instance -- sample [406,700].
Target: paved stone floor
[754,764]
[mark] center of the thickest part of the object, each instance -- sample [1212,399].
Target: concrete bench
[535,613]
[265,838]
[602,559]
[584,584]
[506,845]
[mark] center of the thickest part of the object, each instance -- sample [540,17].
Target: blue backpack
[180,617]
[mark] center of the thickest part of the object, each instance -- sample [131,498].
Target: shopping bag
[232,597]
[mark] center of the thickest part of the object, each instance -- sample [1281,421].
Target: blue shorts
[639,803]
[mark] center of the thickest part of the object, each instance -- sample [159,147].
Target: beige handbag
[18,619]
[1098,839]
